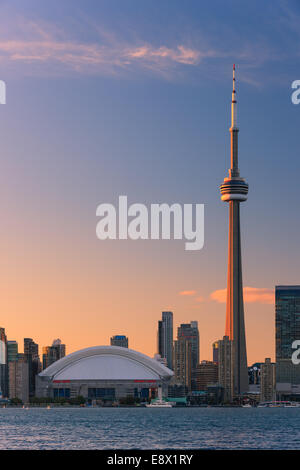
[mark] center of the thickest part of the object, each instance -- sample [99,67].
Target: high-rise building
[190,332]
[207,374]
[31,352]
[3,363]
[287,330]
[53,353]
[183,362]
[226,365]
[165,338]
[12,351]
[234,190]
[19,378]
[287,311]
[267,380]
[119,340]
[215,347]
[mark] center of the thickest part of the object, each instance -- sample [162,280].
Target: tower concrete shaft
[234,190]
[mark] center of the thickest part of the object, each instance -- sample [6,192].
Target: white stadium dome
[107,363]
[106,372]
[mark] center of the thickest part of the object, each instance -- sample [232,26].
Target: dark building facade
[165,338]
[31,353]
[287,309]
[287,312]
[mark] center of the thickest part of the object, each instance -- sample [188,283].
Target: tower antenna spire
[233,102]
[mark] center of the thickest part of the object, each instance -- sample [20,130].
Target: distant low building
[119,340]
[206,374]
[53,353]
[254,373]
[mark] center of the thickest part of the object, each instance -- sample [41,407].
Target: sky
[113,97]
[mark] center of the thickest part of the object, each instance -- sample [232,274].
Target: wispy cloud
[251,295]
[40,47]
[187,292]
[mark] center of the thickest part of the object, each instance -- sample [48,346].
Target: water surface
[146,428]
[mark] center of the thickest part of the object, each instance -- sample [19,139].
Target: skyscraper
[267,380]
[3,363]
[12,351]
[19,378]
[226,367]
[119,340]
[234,190]
[183,362]
[165,338]
[31,353]
[190,331]
[287,318]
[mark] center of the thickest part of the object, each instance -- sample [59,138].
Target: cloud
[39,47]
[251,295]
[200,299]
[187,292]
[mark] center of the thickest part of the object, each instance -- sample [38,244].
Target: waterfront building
[53,353]
[19,378]
[226,367]
[267,380]
[234,190]
[119,340]
[207,373]
[165,338]
[104,373]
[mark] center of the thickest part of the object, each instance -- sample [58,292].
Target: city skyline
[100,103]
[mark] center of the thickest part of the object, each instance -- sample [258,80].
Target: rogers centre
[105,373]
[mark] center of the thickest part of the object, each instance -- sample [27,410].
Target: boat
[247,405]
[160,404]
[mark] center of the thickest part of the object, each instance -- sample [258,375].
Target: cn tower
[234,190]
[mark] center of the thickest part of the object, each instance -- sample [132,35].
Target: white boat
[247,405]
[160,404]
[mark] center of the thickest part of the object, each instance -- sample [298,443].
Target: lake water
[125,428]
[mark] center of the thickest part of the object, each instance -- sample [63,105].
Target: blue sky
[128,97]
